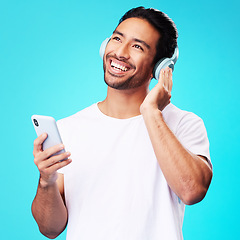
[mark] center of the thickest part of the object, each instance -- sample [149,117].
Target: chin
[127,84]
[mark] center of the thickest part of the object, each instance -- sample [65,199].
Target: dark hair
[165,26]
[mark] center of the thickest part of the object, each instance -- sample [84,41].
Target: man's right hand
[46,164]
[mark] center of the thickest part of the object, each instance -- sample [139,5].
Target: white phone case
[45,124]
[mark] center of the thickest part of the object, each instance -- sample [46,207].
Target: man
[136,158]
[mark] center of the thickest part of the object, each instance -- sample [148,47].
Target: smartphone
[45,124]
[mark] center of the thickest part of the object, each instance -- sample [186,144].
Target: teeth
[118,66]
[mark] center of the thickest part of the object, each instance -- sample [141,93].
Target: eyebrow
[135,39]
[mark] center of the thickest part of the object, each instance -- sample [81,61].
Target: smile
[118,66]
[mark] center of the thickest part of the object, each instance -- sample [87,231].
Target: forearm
[49,210]
[187,174]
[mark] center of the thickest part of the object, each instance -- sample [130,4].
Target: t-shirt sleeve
[192,134]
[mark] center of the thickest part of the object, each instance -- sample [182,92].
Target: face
[128,59]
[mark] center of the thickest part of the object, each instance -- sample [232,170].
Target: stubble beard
[130,83]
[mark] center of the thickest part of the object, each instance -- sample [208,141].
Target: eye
[138,47]
[116,38]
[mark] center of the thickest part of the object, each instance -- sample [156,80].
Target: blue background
[50,65]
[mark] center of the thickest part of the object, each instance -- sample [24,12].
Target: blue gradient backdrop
[49,64]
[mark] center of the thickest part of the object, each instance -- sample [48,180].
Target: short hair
[163,24]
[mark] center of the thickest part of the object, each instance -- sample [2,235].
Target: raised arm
[48,207]
[187,174]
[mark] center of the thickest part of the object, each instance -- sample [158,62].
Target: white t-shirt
[114,187]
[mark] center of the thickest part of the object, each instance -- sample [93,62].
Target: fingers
[37,145]
[54,163]
[54,159]
[48,175]
[48,164]
[165,79]
[44,155]
[169,79]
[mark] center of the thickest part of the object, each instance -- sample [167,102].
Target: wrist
[46,184]
[146,109]
[151,115]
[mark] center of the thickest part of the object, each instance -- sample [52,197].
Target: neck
[123,104]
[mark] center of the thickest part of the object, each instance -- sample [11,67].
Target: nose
[123,51]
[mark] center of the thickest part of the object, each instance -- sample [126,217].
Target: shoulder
[189,129]
[69,125]
[176,117]
[79,116]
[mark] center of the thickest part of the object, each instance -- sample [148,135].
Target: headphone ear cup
[103,47]
[161,64]
[165,62]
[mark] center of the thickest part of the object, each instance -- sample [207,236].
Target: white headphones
[162,63]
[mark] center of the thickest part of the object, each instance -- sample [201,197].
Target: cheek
[110,47]
[147,71]
[145,66]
